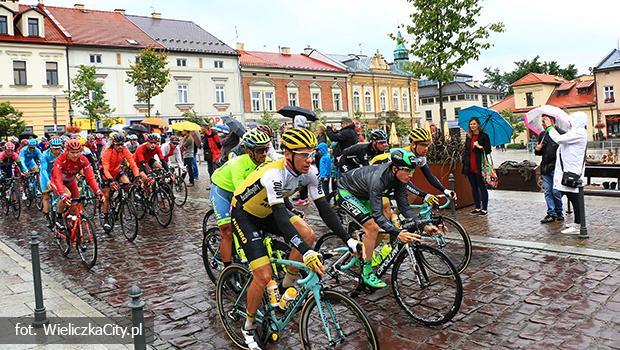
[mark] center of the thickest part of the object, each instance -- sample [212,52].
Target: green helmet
[401,157]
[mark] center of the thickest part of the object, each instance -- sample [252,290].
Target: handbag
[570,179]
[488,172]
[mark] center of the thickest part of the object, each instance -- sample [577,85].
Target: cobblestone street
[514,297]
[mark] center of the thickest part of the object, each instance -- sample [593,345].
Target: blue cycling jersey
[28,158]
[47,163]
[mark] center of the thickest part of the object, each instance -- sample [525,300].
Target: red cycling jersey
[64,171]
[111,162]
[143,155]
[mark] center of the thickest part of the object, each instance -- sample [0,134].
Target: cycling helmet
[24,142]
[175,139]
[221,128]
[118,139]
[73,145]
[419,135]
[9,146]
[32,143]
[56,142]
[153,137]
[400,157]
[378,135]
[297,138]
[255,138]
[266,129]
[43,138]
[14,140]
[132,137]
[99,136]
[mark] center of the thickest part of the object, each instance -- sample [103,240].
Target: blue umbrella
[491,122]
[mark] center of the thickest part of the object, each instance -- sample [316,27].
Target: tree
[89,95]
[402,127]
[502,81]
[149,75]
[517,123]
[11,123]
[191,116]
[446,35]
[111,121]
[268,119]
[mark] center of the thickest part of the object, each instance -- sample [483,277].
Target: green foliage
[110,121]
[447,151]
[502,81]
[515,146]
[149,75]
[402,127]
[517,123]
[191,116]
[11,123]
[445,36]
[88,94]
[268,119]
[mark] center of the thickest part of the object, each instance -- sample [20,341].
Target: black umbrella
[292,111]
[105,131]
[27,135]
[138,128]
[235,126]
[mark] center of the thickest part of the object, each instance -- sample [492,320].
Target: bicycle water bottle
[272,293]
[289,294]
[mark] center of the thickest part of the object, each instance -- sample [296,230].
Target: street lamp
[70,116]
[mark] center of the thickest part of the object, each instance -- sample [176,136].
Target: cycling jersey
[145,158]
[29,159]
[168,152]
[111,161]
[132,146]
[270,184]
[64,172]
[6,163]
[357,156]
[91,156]
[231,175]
[372,183]
[47,163]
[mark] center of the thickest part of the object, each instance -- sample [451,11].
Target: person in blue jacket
[325,166]
[30,157]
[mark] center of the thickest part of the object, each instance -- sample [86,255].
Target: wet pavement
[513,297]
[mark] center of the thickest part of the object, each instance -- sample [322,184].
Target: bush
[515,146]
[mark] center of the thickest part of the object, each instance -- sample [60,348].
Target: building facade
[607,79]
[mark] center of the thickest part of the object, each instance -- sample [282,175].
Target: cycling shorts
[44,180]
[116,176]
[220,201]
[358,209]
[250,230]
[70,187]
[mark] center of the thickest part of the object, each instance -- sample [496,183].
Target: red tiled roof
[100,28]
[585,84]
[506,103]
[565,86]
[277,60]
[53,35]
[573,98]
[538,78]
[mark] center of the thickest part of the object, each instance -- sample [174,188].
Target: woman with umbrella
[477,146]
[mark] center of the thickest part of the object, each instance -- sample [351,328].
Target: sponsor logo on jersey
[250,192]
[277,188]
[351,208]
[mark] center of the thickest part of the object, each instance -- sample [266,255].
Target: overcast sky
[569,31]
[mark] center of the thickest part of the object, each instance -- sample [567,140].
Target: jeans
[479,189]
[195,167]
[553,197]
[573,198]
[325,183]
[189,165]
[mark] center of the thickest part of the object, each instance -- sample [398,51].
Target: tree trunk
[148,107]
[441,117]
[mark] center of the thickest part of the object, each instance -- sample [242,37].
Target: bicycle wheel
[86,242]
[38,199]
[211,254]
[162,206]
[61,238]
[179,189]
[128,220]
[345,322]
[137,196]
[455,243]
[428,298]
[341,273]
[29,191]
[208,221]
[15,204]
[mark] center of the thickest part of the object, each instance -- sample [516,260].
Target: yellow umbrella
[185,125]
[394,141]
[155,121]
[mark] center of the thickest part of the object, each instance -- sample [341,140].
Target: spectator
[211,148]
[187,149]
[548,149]
[197,145]
[321,134]
[325,167]
[345,137]
[477,145]
[228,143]
[570,158]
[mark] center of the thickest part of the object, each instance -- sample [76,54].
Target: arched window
[395,100]
[405,102]
[368,101]
[382,101]
[356,101]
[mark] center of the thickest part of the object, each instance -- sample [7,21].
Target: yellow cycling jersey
[270,183]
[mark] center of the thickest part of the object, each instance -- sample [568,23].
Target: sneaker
[190,185]
[559,218]
[300,202]
[107,227]
[483,213]
[547,219]
[475,212]
[251,338]
[570,228]
[24,196]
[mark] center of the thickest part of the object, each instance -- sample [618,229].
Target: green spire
[400,53]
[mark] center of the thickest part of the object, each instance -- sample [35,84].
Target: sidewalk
[17,298]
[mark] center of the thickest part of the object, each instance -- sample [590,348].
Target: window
[219,93]
[336,101]
[368,101]
[452,98]
[182,93]
[563,93]
[19,72]
[529,99]
[460,97]
[292,99]
[583,91]
[609,94]
[429,115]
[485,101]
[406,102]
[382,101]
[316,101]
[445,99]
[218,64]
[443,112]
[95,58]
[255,101]
[4,28]
[33,27]
[181,62]
[356,101]
[269,101]
[456,112]
[395,100]
[51,73]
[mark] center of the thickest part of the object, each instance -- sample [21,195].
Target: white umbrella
[533,118]
[394,141]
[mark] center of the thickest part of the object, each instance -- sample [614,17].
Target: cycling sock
[367,267]
[289,279]
[250,321]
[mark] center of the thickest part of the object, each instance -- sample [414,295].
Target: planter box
[442,172]
[513,181]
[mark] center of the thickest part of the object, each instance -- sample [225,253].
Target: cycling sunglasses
[409,170]
[307,155]
[260,150]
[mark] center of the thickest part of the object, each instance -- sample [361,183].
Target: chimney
[240,46]
[285,51]
[121,11]
[156,15]
[308,50]
[78,6]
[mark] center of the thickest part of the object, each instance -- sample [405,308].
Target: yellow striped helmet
[419,135]
[297,138]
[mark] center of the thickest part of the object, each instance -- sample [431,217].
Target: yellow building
[607,78]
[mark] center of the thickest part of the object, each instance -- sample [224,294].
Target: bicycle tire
[86,241]
[162,206]
[179,189]
[208,221]
[330,297]
[29,194]
[453,301]
[460,256]
[63,242]
[137,196]
[210,254]
[128,220]
[15,205]
[38,196]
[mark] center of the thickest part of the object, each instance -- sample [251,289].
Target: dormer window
[4,27]
[33,27]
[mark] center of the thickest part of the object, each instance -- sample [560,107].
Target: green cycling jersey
[230,175]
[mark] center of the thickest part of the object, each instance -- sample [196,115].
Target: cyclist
[111,161]
[49,157]
[360,196]
[132,144]
[30,156]
[360,154]
[171,148]
[63,181]
[271,151]
[8,158]
[230,176]
[258,205]
[146,152]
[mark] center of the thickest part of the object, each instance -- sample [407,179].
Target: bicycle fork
[420,274]
[333,342]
